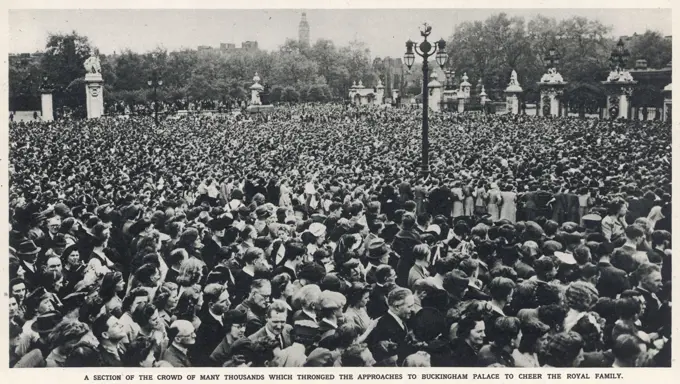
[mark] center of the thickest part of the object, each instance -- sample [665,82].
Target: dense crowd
[309,238]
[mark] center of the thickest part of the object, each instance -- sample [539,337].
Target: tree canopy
[487,50]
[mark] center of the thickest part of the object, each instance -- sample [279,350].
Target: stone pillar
[461,102]
[551,86]
[482,96]
[512,93]
[465,86]
[94,88]
[380,93]
[46,105]
[667,103]
[620,86]
[435,96]
[255,90]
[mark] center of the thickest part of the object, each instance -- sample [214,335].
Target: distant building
[249,45]
[227,46]
[25,58]
[303,31]
[204,48]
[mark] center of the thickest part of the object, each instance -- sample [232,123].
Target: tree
[276,94]
[62,63]
[291,95]
[652,47]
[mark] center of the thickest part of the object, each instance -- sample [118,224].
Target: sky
[383,30]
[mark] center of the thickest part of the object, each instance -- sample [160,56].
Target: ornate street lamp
[619,57]
[425,49]
[552,59]
[155,82]
[450,73]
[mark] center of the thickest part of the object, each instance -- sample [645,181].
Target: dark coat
[612,280]
[377,301]
[208,336]
[388,329]
[175,357]
[286,337]
[464,355]
[403,245]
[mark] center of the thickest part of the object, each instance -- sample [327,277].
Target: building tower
[303,31]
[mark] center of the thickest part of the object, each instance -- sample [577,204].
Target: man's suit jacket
[377,301]
[261,335]
[388,329]
[655,315]
[175,357]
[612,280]
[403,245]
[208,336]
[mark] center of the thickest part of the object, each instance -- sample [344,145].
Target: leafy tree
[290,95]
[651,46]
[276,94]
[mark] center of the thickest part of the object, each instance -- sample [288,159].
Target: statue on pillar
[513,78]
[92,64]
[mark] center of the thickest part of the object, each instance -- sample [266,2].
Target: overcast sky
[385,30]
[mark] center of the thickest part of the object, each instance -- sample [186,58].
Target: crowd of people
[311,239]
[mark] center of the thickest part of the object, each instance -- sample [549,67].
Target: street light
[552,59]
[155,82]
[619,56]
[425,49]
[450,73]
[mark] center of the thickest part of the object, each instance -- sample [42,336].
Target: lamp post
[155,82]
[425,49]
[619,57]
[552,59]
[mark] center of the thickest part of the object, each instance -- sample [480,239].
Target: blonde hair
[190,272]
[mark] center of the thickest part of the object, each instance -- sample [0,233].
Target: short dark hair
[501,287]
[382,272]
[659,236]
[626,347]
[143,313]
[634,231]
[137,351]
[505,330]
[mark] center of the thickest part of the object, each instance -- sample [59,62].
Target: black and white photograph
[302,187]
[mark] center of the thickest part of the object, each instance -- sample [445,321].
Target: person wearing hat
[378,254]
[43,325]
[403,245]
[331,305]
[28,252]
[234,322]
[213,243]
[313,238]
[261,223]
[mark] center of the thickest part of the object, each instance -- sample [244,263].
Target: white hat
[566,258]
[434,228]
[317,229]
